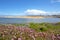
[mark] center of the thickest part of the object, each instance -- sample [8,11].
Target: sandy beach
[23,17]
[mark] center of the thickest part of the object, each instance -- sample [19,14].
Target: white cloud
[35,12]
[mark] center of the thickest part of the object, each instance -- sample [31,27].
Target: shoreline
[22,17]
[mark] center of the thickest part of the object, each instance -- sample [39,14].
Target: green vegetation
[19,24]
[28,31]
[55,27]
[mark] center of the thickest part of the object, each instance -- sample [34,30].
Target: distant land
[21,17]
[32,16]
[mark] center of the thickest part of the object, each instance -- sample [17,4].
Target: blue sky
[21,7]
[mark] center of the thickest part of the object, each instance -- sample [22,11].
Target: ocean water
[28,20]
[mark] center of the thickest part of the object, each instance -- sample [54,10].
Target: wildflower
[32,36]
[12,39]
[14,36]
[58,36]
[53,36]
[19,38]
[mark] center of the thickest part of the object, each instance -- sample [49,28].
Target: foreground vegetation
[30,31]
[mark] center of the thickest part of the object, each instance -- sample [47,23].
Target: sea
[28,20]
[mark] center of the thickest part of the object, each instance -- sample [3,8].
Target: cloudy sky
[29,7]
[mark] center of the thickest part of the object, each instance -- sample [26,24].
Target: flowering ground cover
[30,31]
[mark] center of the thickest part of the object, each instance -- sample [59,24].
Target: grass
[30,29]
[45,26]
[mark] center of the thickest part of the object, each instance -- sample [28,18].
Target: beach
[23,17]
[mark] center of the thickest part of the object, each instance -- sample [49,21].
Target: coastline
[22,17]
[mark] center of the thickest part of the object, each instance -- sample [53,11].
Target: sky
[29,7]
